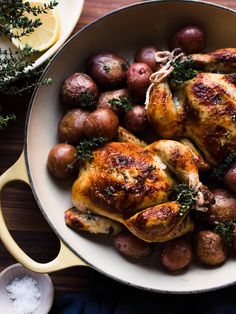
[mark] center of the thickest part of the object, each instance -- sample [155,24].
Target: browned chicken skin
[204,110]
[132,185]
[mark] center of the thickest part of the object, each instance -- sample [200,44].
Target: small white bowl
[44,283]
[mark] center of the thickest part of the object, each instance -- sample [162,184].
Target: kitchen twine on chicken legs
[165,59]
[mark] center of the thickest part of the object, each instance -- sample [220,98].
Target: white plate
[69,11]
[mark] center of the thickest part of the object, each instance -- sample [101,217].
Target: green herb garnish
[87,101]
[226,231]
[186,197]
[85,148]
[219,171]
[106,68]
[123,102]
[124,66]
[12,16]
[4,120]
[183,71]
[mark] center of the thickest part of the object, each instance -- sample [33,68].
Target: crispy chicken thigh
[132,185]
[203,110]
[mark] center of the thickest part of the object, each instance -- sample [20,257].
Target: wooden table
[20,210]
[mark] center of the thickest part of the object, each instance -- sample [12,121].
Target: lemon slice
[45,35]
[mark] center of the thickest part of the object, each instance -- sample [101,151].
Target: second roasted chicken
[132,185]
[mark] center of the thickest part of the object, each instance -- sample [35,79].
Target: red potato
[138,79]
[107,69]
[135,120]
[191,39]
[176,254]
[70,127]
[210,248]
[230,178]
[146,54]
[76,88]
[224,208]
[62,160]
[131,246]
[101,122]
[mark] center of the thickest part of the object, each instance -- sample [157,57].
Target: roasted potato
[138,79]
[70,127]
[224,208]
[176,254]
[230,178]
[101,122]
[131,246]
[146,54]
[78,90]
[62,161]
[191,39]
[210,248]
[107,69]
[135,120]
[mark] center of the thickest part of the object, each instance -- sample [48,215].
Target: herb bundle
[13,65]
[183,71]
[186,197]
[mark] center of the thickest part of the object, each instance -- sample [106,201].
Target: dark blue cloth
[106,296]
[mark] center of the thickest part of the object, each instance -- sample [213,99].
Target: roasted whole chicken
[203,109]
[128,184]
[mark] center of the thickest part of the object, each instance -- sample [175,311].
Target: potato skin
[107,69]
[101,122]
[191,39]
[224,208]
[131,246]
[135,120]
[230,178]
[104,98]
[146,54]
[59,157]
[75,85]
[176,254]
[210,248]
[70,127]
[138,79]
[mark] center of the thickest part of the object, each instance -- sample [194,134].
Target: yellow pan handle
[66,258]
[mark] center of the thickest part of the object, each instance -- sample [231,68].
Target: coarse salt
[24,295]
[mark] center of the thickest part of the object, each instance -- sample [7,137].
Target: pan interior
[121,32]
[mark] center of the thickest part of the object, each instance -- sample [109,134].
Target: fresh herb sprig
[122,102]
[12,16]
[218,172]
[183,71]
[87,101]
[186,197]
[226,231]
[5,119]
[86,147]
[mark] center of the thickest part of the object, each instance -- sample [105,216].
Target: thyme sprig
[4,120]
[183,71]
[12,16]
[226,231]
[86,147]
[218,172]
[87,101]
[186,197]
[122,102]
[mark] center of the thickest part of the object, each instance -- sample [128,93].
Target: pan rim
[42,77]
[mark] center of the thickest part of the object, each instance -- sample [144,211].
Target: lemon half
[45,35]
